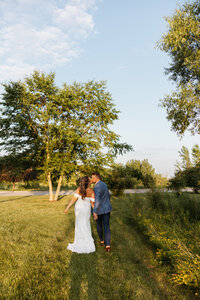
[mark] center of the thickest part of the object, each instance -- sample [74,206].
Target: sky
[112,40]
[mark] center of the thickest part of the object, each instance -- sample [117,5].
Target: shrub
[172,224]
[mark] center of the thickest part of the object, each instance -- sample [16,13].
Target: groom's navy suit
[102,208]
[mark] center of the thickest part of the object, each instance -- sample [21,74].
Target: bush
[135,174]
[172,224]
[186,178]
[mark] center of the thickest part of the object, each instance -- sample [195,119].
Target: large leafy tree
[186,160]
[67,128]
[187,172]
[142,171]
[134,174]
[17,133]
[196,155]
[17,167]
[18,138]
[182,43]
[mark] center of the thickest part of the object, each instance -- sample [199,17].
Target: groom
[102,208]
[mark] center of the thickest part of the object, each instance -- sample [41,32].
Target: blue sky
[110,40]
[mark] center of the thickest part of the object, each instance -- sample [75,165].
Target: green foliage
[142,171]
[186,178]
[172,225]
[133,175]
[183,108]
[16,168]
[15,133]
[178,182]
[185,159]
[35,264]
[193,178]
[182,43]
[196,155]
[161,181]
[65,128]
[117,179]
[188,170]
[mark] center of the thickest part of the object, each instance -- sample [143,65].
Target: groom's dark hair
[97,174]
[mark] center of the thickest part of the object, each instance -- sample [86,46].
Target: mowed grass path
[34,262]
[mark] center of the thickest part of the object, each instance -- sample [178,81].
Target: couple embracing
[99,200]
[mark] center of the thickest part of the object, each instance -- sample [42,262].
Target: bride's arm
[73,200]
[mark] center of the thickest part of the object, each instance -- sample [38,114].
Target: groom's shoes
[102,243]
[107,248]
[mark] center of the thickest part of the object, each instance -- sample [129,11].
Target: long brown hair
[83,185]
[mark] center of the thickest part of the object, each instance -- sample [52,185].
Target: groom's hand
[95,216]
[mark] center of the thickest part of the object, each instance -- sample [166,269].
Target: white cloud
[83,4]
[42,34]
[14,70]
[76,19]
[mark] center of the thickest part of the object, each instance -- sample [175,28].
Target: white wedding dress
[83,241]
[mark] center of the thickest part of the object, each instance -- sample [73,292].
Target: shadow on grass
[60,197]
[137,254]
[141,231]
[14,199]
[82,269]
[83,273]
[128,255]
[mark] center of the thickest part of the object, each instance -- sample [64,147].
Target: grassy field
[34,262]
[21,186]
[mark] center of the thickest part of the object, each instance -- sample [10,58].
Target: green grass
[38,186]
[171,223]
[34,262]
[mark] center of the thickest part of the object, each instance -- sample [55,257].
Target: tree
[186,178]
[196,155]
[133,168]
[187,172]
[186,162]
[132,175]
[161,181]
[16,133]
[19,140]
[69,125]
[185,159]
[115,178]
[142,171]
[15,168]
[178,181]
[182,43]
[193,178]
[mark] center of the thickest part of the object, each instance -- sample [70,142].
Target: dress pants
[103,223]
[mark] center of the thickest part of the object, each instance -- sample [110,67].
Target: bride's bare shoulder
[77,190]
[90,192]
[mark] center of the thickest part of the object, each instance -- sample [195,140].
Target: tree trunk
[58,187]
[50,187]
[13,186]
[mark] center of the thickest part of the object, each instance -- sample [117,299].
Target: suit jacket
[102,198]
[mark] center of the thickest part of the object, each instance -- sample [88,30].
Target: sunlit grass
[34,262]
[33,185]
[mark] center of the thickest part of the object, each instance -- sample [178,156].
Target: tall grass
[171,222]
[35,264]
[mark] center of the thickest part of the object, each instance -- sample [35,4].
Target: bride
[84,198]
